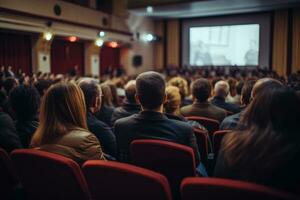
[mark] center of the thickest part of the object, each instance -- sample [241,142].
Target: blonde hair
[181,84]
[62,110]
[173,100]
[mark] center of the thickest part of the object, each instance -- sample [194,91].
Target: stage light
[113,44]
[48,36]
[73,38]
[101,33]
[99,42]
[149,9]
[149,37]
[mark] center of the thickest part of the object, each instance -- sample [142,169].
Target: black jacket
[221,103]
[104,114]
[124,111]
[104,134]
[25,131]
[152,125]
[9,139]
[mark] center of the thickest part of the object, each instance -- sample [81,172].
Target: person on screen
[202,55]
[251,56]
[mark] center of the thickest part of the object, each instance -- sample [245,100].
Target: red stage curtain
[15,51]
[66,55]
[109,59]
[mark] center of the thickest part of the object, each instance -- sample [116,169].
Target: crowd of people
[84,118]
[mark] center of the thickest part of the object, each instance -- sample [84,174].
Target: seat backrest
[216,189]
[8,177]
[46,175]
[211,125]
[203,143]
[217,139]
[114,181]
[173,160]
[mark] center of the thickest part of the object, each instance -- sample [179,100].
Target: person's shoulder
[4,118]
[217,109]
[179,124]
[126,120]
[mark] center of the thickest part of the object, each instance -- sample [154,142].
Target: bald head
[221,89]
[265,84]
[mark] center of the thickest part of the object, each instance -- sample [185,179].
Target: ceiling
[201,8]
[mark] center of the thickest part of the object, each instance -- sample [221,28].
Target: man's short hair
[201,89]
[150,87]
[221,89]
[130,91]
[90,91]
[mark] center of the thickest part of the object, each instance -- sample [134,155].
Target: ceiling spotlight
[48,36]
[149,37]
[99,42]
[149,9]
[101,33]
[113,44]
[73,38]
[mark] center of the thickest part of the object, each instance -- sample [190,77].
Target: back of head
[264,84]
[91,92]
[62,110]
[25,101]
[246,91]
[221,89]
[42,85]
[181,84]
[130,91]
[9,83]
[150,88]
[173,99]
[201,89]
[107,95]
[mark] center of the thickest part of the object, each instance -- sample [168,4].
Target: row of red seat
[50,176]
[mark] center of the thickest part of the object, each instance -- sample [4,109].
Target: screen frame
[262,19]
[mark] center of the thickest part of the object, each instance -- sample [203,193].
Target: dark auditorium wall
[66,55]
[296,41]
[15,51]
[109,58]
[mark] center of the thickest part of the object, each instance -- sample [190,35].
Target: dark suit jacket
[221,103]
[9,140]
[104,114]
[124,111]
[204,109]
[230,122]
[103,133]
[152,125]
[25,131]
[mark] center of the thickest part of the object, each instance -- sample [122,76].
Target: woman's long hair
[62,110]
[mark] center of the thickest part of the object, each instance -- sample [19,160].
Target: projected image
[224,45]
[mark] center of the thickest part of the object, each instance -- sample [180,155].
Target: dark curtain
[66,55]
[15,51]
[109,59]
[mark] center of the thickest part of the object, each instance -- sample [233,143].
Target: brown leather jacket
[79,145]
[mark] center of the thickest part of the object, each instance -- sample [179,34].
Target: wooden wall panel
[296,41]
[280,42]
[173,40]
[159,46]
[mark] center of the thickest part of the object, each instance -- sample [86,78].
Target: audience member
[266,146]
[25,101]
[151,123]
[232,96]
[42,85]
[130,106]
[9,84]
[63,127]
[107,108]
[201,90]
[182,85]
[221,90]
[9,140]
[92,95]
[231,121]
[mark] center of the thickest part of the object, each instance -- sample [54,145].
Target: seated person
[25,102]
[201,90]
[265,147]
[221,91]
[182,85]
[9,140]
[231,121]
[92,95]
[151,123]
[130,105]
[63,128]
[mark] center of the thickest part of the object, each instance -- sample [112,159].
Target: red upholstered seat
[8,177]
[173,160]
[216,189]
[217,139]
[203,143]
[46,175]
[114,181]
[210,124]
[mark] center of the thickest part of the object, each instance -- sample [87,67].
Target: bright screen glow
[224,45]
